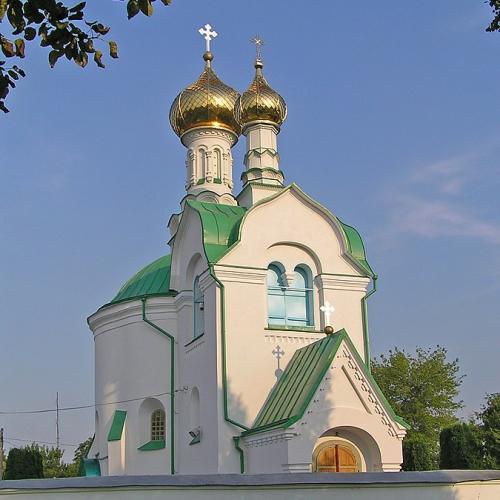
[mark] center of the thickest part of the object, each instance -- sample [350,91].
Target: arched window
[198,307]
[158,425]
[289,305]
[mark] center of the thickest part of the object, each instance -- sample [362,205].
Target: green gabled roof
[220,226]
[293,392]
[154,279]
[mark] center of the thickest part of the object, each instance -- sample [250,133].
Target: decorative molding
[269,440]
[293,338]
[370,396]
[241,275]
[196,133]
[130,311]
[342,282]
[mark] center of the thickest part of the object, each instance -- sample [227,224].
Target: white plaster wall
[473,490]
[132,360]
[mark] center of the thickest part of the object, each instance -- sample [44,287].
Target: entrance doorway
[336,457]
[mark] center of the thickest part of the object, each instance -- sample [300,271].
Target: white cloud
[431,201]
[435,218]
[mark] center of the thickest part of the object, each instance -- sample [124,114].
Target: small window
[158,425]
[199,308]
[289,306]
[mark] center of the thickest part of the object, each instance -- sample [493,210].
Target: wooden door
[336,458]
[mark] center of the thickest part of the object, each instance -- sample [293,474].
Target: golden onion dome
[260,102]
[208,102]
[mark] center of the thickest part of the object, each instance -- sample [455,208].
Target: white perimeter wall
[486,490]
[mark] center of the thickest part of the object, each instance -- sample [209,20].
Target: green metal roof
[154,279]
[293,392]
[355,246]
[220,226]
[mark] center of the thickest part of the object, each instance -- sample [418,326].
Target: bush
[461,447]
[419,454]
[23,463]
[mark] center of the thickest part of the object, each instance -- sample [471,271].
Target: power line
[10,439]
[82,407]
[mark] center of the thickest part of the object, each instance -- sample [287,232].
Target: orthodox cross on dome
[327,309]
[278,354]
[257,40]
[208,33]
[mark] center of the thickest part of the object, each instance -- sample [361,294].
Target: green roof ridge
[291,395]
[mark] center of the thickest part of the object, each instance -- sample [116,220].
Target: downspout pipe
[364,313]
[227,418]
[172,382]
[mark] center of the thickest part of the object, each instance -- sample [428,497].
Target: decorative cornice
[269,439]
[116,315]
[241,274]
[342,282]
[195,133]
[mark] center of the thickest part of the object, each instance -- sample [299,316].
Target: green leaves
[113,50]
[20,47]
[98,59]
[64,30]
[422,388]
[3,8]
[146,7]
[495,23]
[7,47]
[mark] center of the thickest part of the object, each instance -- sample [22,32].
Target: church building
[244,348]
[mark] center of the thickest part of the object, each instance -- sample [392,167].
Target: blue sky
[392,124]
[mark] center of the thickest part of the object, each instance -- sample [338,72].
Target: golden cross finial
[257,40]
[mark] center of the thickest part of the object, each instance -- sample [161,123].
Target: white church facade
[245,347]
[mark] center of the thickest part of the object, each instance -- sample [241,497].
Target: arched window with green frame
[290,305]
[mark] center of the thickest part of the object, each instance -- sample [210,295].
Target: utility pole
[1,454]
[57,420]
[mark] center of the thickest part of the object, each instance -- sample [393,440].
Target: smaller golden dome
[260,102]
[208,102]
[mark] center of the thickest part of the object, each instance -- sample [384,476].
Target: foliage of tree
[63,29]
[23,463]
[52,460]
[495,23]
[422,388]
[417,454]
[489,424]
[461,447]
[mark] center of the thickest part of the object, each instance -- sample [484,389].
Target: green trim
[353,242]
[200,181]
[294,391]
[364,319]
[153,445]
[224,366]
[194,340]
[172,382]
[307,329]
[236,440]
[259,152]
[91,467]
[195,440]
[217,180]
[116,429]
